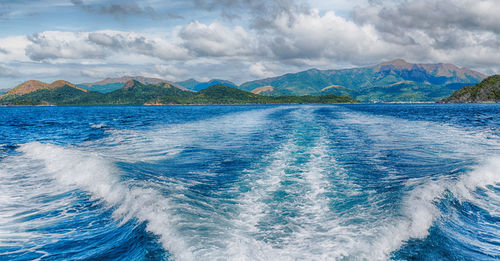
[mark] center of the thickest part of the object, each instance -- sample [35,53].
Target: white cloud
[259,70]
[55,45]
[216,40]
[456,31]
[171,72]
[13,49]
[310,38]
[269,38]
[66,45]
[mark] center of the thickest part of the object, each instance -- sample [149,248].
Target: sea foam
[91,173]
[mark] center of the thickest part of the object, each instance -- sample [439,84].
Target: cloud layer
[252,39]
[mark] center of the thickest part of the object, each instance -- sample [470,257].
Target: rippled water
[336,182]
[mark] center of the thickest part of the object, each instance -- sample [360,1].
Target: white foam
[418,211]
[485,176]
[419,206]
[90,169]
[315,230]
[92,173]
[98,125]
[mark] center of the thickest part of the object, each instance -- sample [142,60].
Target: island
[487,90]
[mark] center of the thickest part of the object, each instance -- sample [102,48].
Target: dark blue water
[333,182]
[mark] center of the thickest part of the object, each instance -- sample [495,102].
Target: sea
[250,182]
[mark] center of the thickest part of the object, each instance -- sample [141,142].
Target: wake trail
[284,212]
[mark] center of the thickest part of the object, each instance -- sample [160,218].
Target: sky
[238,40]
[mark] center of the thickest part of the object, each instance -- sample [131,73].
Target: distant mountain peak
[399,61]
[437,69]
[398,64]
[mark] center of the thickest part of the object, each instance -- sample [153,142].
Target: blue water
[326,182]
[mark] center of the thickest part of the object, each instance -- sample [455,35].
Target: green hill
[137,93]
[486,91]
[396,80]
[63,95]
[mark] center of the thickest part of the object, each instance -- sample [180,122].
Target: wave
[90,167]
[420,206]
[97,176]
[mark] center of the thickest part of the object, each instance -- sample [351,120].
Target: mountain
[111,84]
[33,86]
[396,80]
[195,85]
[487,90]
[136,93]
[39,93]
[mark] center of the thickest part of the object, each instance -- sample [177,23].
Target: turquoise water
[308,182]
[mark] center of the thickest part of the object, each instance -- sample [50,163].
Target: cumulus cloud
[53,45]
[140,44]
[449,30]
[216,40]
[256,39]
[68,45]
[13,49]
[259,70]
[315,39]
[447,24]
[170,72]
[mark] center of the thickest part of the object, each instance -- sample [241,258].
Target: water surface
[304,182]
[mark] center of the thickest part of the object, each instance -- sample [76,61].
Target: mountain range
[391,81]
[394,81]
[136,93]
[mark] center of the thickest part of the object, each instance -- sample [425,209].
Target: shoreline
[249,104]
